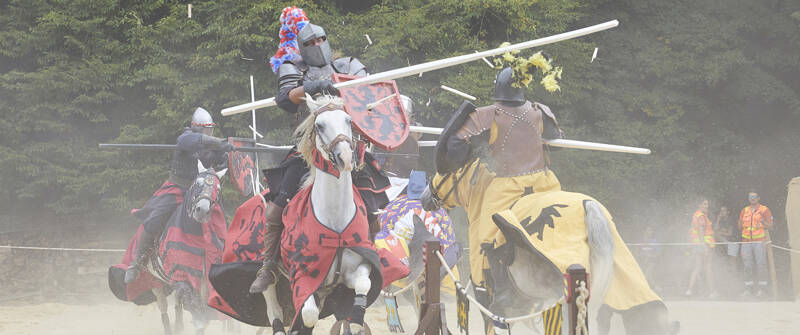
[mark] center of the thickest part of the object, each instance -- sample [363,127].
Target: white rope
[485,310]
[580,301]
[59,249]
[687,243]
[784,248]
[400,291]
[716,243]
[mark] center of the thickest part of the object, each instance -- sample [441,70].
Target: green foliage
[711,89]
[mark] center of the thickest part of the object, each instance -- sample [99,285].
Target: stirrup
[262,281]
[132,273]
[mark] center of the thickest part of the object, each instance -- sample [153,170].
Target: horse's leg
[310,313]
[200,323]
[601,249]
[359,281]
[274,310]
[178,314]
[161,300]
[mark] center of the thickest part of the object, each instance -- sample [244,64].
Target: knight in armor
[508,135]
[514,128]
[195,143]
[307,72]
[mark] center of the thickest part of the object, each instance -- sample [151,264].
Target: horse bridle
[327,148]
[435,190]
[205,193]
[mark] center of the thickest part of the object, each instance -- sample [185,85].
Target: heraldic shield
[242,166]
[386,124]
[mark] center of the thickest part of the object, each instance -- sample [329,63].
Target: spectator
[726,230]
[701,226]
[754,220]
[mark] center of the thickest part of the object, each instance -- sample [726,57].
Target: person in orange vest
[702,232]
[754,221]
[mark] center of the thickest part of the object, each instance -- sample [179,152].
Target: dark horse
[192,240]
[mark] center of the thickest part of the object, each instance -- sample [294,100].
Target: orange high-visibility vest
[753,222]
[700,222]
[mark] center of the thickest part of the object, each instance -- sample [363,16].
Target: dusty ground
[108,316]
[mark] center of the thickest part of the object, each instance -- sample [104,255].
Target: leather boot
[143,250]
[274,226]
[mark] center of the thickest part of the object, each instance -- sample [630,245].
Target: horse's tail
[601,249]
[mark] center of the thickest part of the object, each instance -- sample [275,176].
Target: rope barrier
[405,288]
[770,243]
[58,249]
[400,291]
[687,243]
[784,248]
[485,310]
[580,300]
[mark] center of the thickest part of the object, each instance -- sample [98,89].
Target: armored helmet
[314,55]
[202,119]
[503,91]
[408,105]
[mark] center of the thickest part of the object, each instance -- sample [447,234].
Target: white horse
[328,130]
[523,278]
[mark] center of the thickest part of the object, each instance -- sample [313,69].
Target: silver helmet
[314,55]
[201,119]
[408,105]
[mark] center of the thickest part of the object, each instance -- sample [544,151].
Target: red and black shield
[242,166]
[386,124]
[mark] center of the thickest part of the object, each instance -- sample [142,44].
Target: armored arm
[550,129]
[196,142]
[290,91]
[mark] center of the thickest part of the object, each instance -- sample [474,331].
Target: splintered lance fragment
[459,93]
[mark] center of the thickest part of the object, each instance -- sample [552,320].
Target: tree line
[711,86]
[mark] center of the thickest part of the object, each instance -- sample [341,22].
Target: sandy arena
[116,317]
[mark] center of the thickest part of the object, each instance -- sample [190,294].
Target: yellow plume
[523,69]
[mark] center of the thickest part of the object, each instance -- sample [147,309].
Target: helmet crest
[517,73]
[293,19]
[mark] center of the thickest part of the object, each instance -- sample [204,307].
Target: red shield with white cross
[377,111]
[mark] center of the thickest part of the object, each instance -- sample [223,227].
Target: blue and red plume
[292,20]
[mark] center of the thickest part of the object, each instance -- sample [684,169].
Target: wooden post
[575,275]
[431,316]
[771,267]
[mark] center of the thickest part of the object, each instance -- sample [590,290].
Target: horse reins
[455,185]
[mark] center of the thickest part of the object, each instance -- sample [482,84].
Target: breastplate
[517,148]
[318,73]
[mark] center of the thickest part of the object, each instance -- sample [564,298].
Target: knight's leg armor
[144,249]
[267,275]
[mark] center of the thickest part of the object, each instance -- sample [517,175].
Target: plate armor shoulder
[350,65]
[288,73]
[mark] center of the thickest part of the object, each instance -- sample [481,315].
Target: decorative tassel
[292,19]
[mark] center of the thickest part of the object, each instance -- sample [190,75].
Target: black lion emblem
[545,218]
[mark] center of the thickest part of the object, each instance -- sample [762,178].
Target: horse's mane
[306,133]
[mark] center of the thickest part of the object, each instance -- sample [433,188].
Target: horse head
[454,189]
[327,133]
[204,192]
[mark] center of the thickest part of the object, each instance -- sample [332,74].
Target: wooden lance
[560,143]
[437,64]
